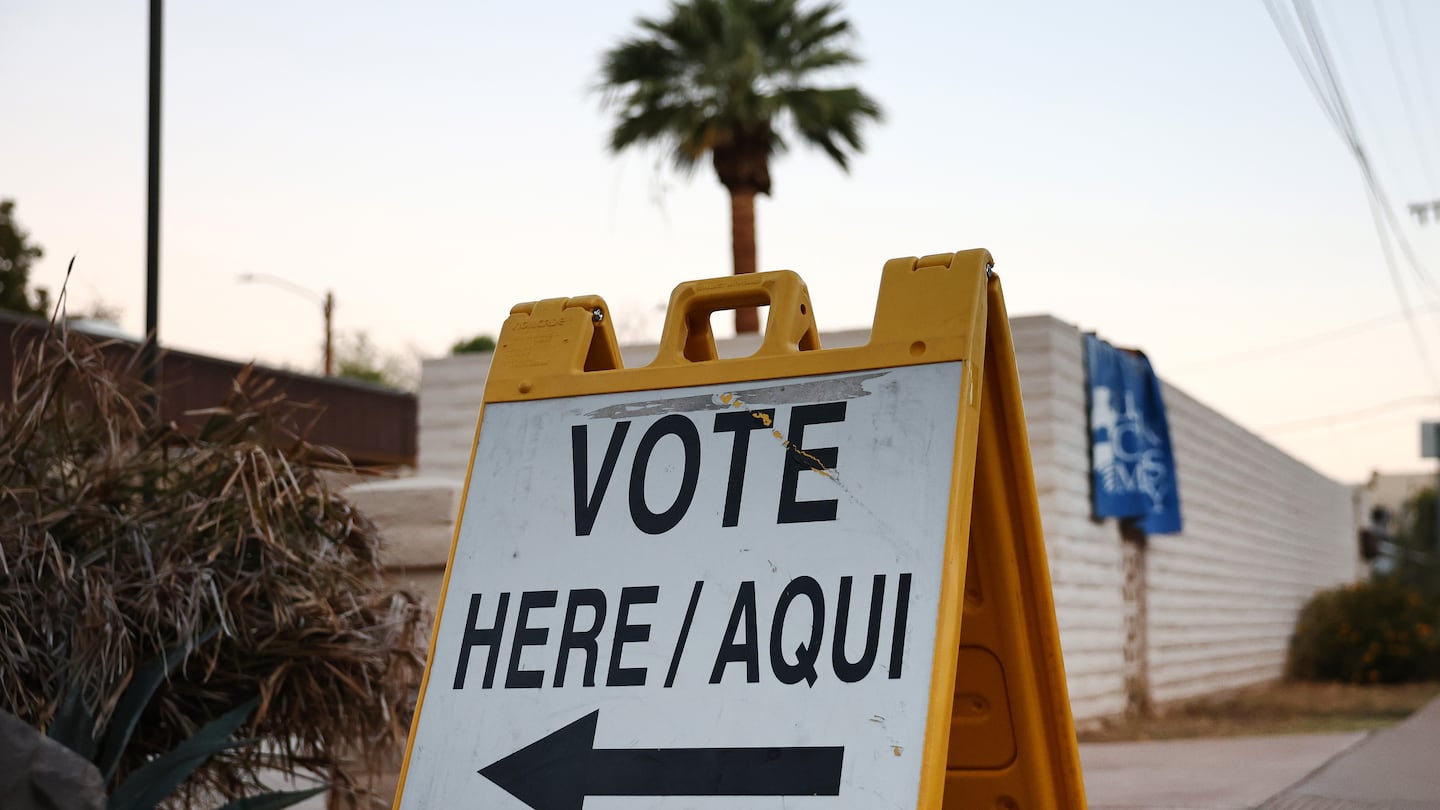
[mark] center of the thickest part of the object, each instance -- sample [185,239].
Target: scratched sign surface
[711,597]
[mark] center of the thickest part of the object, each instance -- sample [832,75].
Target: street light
[327,302]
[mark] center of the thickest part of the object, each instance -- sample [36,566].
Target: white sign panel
[711,597]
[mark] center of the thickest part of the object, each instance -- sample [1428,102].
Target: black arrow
[558,771]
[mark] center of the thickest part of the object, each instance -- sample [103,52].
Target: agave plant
[151,784]
[163,591]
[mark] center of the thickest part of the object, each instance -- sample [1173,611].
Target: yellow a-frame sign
[809,572]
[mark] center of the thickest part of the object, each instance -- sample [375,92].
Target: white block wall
[1262,530]
[451,390]
[1086,569]
[1262,533]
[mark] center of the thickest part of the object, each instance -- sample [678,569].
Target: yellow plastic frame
[1009,742]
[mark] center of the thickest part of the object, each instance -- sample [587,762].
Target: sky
[1156,172]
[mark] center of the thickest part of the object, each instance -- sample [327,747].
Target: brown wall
[374,426]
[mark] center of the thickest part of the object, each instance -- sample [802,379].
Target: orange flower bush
[1380,631]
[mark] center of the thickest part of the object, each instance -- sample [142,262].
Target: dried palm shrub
[124,541]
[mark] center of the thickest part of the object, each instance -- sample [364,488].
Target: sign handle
[789,328]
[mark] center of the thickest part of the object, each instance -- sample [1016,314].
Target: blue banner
[1132,466]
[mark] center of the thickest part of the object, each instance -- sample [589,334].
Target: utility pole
[327,304]
[150,359]
[329,333]
[1425,211]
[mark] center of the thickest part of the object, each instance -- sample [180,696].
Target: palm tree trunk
[742,246]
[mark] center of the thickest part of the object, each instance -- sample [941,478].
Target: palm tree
[724,77]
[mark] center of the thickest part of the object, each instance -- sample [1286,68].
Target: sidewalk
[1224,773]
[1396,769]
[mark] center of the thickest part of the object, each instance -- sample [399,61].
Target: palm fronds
[733,75]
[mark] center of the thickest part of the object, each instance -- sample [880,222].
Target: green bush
[1381,631]
[474,345]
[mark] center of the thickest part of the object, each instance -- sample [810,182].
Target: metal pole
[327,306]
[150,357]
[329,333]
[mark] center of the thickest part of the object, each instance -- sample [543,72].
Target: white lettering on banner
[1128,458]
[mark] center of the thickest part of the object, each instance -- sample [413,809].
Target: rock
[37,773]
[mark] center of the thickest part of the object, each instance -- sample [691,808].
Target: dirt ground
[1276,708]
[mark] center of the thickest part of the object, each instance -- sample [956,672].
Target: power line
[1320,52]
[1344,121]
[1297,54]
[1377,150]
[1425,209]
[1301,343]
[1330,420]
[1368,165]
[1305,12]
[1311,54]
[1415,130]
[1420,71]
[1420,347]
